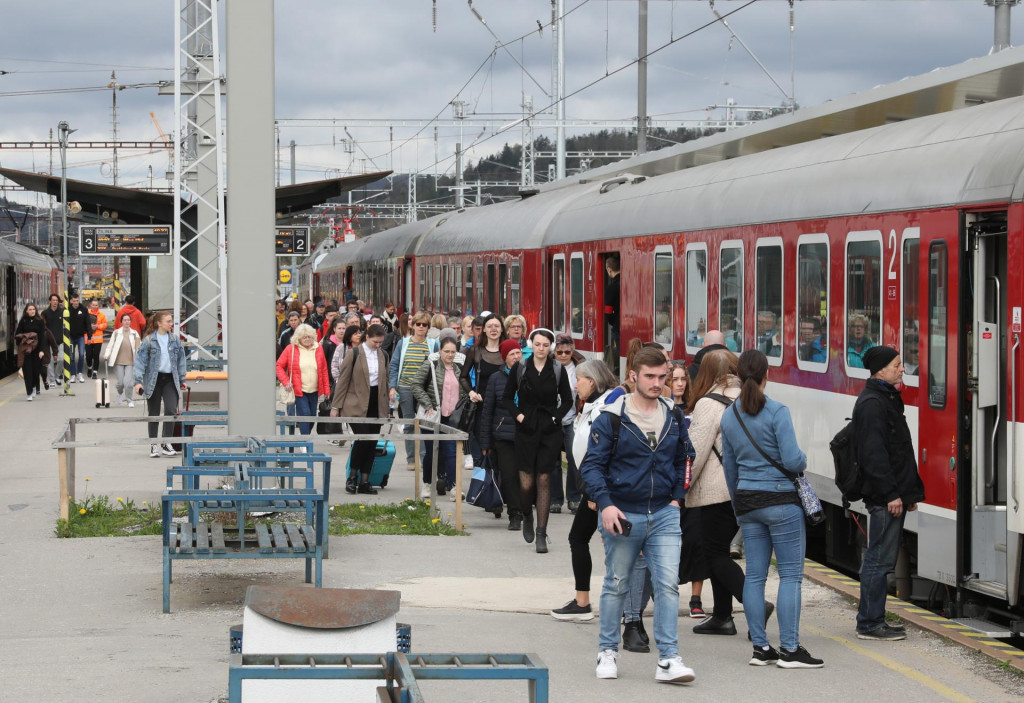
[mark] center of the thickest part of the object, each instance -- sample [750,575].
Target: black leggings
[718,525]
[364,450]
[32,367]
[584,525]
[163,390]
[505,453]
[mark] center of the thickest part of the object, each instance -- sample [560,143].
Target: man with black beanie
[890,484]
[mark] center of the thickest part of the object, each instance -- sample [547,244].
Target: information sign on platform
[124,240]
[292,241]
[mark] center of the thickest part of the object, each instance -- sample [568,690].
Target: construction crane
[167,141]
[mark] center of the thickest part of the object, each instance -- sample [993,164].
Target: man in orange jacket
[94,343]
[138,319]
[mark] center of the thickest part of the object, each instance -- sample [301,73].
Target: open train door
[609,338]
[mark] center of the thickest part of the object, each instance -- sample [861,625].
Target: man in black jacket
[891,485]
[54,318]
[81,327]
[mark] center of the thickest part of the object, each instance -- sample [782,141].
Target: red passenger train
[906,235]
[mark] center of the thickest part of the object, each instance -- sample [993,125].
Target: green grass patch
[406,518]
[99,516]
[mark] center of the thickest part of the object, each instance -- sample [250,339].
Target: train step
[989,629]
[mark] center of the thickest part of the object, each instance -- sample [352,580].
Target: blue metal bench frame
[400,672]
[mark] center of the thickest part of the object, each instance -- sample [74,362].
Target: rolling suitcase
[103,390]
[383,459]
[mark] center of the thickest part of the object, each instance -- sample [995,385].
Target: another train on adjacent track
[907,235]
[26,275]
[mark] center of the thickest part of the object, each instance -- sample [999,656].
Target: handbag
[286,394]
[805,491]
[466,411]
[324,410]
[485,487]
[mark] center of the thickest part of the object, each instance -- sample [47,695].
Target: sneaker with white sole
[131,403]
[607,667]
[573,612]
[799,658]
[154,451]
[672,670]
[167,450]
[763,656]
[30,397]
[81,378]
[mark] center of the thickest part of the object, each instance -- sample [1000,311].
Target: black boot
[631,639]
[366,488]
[714,626]
[350,485]
[515,522]
[643,631]
[542,540]
[528,533]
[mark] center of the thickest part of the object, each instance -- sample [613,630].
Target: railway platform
[82,617]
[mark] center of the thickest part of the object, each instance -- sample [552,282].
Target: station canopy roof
[136,207]
[976,81]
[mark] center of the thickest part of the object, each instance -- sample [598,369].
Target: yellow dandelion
[145,502]
[362,507]
[404,525]
[120,500]
[86,478]
[427,502]
[449,514]
[82,511]
[437,519]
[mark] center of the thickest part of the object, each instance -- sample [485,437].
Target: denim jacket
[147,363]
[772,429]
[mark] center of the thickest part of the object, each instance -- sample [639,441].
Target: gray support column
[251,262]
[1001,35]
[559,28]
[641,81]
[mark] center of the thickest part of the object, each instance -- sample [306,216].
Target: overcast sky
[383,59]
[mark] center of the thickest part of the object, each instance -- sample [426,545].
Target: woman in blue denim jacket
[160,375]
[768,510]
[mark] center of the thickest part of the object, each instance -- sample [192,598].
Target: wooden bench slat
[280,541]
[187,538]
[263,537]
[295,537]
[218,539]
[202,538]
[310,536]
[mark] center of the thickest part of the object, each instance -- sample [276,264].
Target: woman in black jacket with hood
[34,341]
[538,396]
[498,434]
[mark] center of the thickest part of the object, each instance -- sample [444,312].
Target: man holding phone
[635,471]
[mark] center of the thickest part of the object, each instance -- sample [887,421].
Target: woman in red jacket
[303,368]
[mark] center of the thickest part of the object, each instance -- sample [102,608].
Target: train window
[446,282]
[730,294]
[768,298]
[423,287]
[469,290]
[458,288]
[576,296]
[436,302]
[938,292]
[863,298]
[480,288]
[515,288]
[491,300]
[910,346]
[503,291]
[812,302]
[558,293]
[663,296]
[696,295]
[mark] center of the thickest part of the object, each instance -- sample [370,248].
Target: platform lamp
[63,130]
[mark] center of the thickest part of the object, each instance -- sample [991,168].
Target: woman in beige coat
[714,390]
[362,391]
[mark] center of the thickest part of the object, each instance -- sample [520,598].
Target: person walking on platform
[362,391]
[635,472]
[437,390]
[53,315]
[538,396]
[693,567]
[409,354]
[138,319]
[94,342]
[160,376]
[498,434]
[483,358]
[123,346]
[769,510]
[890,485]
[566,354]
[34,343]
[715,388]
[303,368]
[285,336]
[81,328]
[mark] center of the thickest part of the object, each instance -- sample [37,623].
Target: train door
[8,315]
[609,328]
[984,328]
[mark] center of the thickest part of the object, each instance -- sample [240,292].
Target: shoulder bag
[286,394]
[465,414]
[808,498]
[424,413]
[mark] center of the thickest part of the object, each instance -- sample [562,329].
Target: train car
[26,275]
[904,235]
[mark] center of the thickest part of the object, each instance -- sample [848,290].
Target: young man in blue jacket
[635,471]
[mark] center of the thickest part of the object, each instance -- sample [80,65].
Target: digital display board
[292,241]
[124,240]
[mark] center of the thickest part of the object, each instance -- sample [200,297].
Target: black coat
[543,399]
[885,449]
[81,324]
[495,421]
[55,322]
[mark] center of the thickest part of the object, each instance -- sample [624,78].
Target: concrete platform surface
[82,618]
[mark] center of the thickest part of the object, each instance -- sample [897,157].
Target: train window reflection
[423,286]
[812,302]
[576,294]
[938,295]
[730,295]
[558,294]
[480,287]
[910,346]
[696,295]
[457,303]
[863,298]
[515,288]
[768,298]
[503,290]
[469,290]
[663,297]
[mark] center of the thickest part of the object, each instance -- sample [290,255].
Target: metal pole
[251,262]
[1001,36]
[62,136]
[459,201]
[559,29]
[641,81]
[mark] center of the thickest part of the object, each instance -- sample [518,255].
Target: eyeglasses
[515,327]
[563,352]
[420,324]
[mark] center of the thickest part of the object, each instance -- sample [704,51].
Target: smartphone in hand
[625,526]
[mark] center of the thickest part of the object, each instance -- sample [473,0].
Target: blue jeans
[659,536]
[640,590]
[305,404]
[884,533]
[782,528]
[77,360]
[445,459]
[407,410]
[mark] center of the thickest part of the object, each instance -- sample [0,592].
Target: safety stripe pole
[67,344]
[117,293]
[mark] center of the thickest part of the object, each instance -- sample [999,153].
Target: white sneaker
[672,670]
[607,668]
[73,379]
[131,404]
[154,451]
[81,378]
[30,397]
[168,450]
[467,461]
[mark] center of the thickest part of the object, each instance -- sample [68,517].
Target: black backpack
[848,473]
